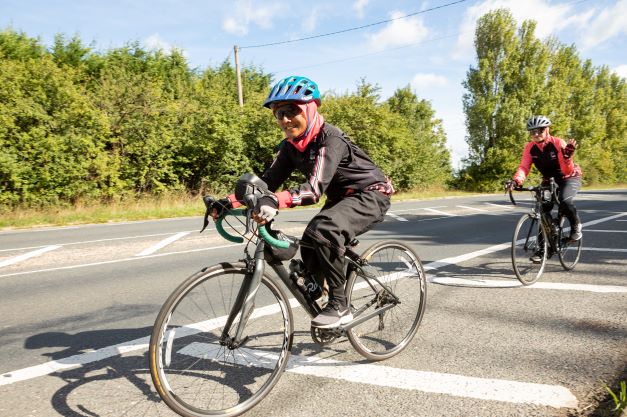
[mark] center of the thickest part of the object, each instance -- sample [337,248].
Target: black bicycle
[538,236]
[223,338]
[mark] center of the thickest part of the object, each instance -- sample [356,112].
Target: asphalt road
[77,305]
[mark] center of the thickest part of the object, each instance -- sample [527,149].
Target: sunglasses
[289,111]
[537,131]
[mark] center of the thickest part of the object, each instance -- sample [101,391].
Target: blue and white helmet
[537,122]
[294,88]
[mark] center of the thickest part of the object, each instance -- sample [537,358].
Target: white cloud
[550,18]
[607,24]
[425,81]
[621,70]
[311,20]
[399,32]
[154,42]
[359,6]
[247,12]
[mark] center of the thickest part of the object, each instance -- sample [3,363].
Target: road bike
[223,338]
[538,236]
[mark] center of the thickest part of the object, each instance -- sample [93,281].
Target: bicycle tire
[397,266]
[195,375]
[524,245]
[569,250]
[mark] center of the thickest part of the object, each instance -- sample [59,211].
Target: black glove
[568,151]
[220,206]
[267,207]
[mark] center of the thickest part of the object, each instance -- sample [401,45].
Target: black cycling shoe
[334,315]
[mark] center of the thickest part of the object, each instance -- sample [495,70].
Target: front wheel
[569,251]
[529,248]
[401,285]
[195,367]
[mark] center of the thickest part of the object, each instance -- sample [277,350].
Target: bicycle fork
[244,302]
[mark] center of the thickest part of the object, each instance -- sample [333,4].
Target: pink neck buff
[314,123]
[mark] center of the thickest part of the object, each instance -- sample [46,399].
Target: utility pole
[239,77]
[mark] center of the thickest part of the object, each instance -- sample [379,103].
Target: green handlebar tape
[223,233]
[238,239]
[272,241]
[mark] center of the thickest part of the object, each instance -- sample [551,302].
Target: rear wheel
[199,373]
[569,250]
[528,243]
[399,271]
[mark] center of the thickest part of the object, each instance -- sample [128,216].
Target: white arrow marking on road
[500,206]
[162,244]
[28,255]
[397,217]
[472,208]
[407,379]
[440,212]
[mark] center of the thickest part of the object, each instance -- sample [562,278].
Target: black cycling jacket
[332,164]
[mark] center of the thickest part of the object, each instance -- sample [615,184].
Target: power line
[368,54]
[351,29]
[386,50]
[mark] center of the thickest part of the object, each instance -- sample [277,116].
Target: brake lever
[208,200]
[249,200]
[511,196]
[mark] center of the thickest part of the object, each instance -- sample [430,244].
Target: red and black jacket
[549,158]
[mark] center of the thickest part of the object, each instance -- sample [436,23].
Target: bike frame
[245,300]
[547,221]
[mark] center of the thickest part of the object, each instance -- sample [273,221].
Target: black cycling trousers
[334,227]
[567,191]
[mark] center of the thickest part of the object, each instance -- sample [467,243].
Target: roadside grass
[167,206]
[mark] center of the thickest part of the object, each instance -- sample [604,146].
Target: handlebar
[537,188]
[263,230]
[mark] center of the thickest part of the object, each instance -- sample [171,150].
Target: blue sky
[430,51]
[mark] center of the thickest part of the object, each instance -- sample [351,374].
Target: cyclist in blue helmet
[357,191]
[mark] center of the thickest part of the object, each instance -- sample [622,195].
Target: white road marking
[399,218]
[604,249]
[406,379]
[499,206]
[465,257]
[28,255]
[115,261]
[162,244]
[440,212]
[74,361]
[605,231]
[604,219]
[115,238]
[473,208]
[417,209]
[493,283]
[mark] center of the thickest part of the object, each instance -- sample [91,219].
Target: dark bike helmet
[294,88]
[537,122]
